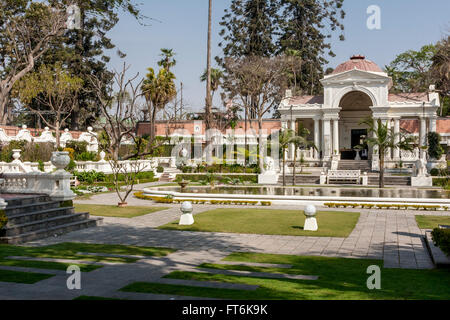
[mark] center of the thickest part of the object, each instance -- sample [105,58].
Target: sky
[182,26]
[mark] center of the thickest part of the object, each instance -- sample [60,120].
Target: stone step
[44,224]
[391,180]
[300,179]
[17,210]
[36,216]
[51,232]
[28,199]
[362,165]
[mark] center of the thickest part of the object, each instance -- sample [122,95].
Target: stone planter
[16,154]
[60,159]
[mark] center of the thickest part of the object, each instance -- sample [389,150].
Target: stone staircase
[363,165]
[306,179]
[390,180]
[36,217]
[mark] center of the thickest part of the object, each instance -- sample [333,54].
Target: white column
[423,137]
[433,125]
[327,139]
[317,138]
[336,149]
[397,138]
[389,150]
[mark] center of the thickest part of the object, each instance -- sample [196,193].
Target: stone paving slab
[110,255]
[98,263]
[32,270]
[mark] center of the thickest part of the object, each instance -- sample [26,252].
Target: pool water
[317,191]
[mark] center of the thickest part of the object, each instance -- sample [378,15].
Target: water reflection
[318,191]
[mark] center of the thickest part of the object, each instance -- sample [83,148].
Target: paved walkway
[388,235]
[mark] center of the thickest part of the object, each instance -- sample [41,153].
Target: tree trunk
[284,166]
[294,167]
[245,137]
[3,104]
[381,182]
[261,147]
[57,134]
[208,108]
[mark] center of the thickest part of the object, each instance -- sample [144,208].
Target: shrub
[441,238]
[3,219]
[160,169]
[86,156]
[77,146]
[41,166]
[435,150]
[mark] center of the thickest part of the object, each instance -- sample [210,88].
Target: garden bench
[344,176]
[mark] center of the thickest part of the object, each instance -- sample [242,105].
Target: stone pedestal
[186,218]
[310,224]
[323,178]
[422,181]
[268,178]
[365,179]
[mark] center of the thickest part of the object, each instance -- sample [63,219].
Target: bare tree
[120,109]
[26,31]
[257,84]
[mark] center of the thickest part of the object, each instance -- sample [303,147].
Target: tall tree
[82,50]
[257,82]
[26,30]
[208,99]
[158,90]
[53,87]
[216,79]
[300,141]
[411,70]
[249,28]
[440,70]
[383,138]
[305,26]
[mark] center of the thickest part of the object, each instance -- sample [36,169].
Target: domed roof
[357,62]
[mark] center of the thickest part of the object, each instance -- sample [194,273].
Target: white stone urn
[16,154]
[60,159]
[102,156]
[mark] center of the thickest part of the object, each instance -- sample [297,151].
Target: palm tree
[208,102]
[158,91]
[300,142]
[441,68]
[285,137]
[167,60]
[384,139]
[216,79]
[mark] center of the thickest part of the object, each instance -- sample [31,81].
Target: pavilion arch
[341,94]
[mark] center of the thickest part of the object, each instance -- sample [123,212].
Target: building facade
[355,90]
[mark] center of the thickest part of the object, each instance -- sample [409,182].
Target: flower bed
[386,206]
[140,195]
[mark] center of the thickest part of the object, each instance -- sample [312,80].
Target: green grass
[431,222]
[115,211]
[92,298]
[270,222]
[70,251]
[22,277]
[338,279]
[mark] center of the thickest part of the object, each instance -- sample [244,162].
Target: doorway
[359,138]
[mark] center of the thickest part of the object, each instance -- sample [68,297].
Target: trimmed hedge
[222,178]
[441,238]
[168,200]
[385,206]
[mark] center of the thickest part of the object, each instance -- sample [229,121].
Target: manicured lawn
[271,222]
[338,279]
[68,251]
[22,277]
[115,211]
[431,222]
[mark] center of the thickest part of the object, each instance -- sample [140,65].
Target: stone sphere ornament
[186,218]
[310,221]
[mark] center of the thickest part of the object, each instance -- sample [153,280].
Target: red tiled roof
[306,100]
[404,97]
[412,126]
[359,63]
